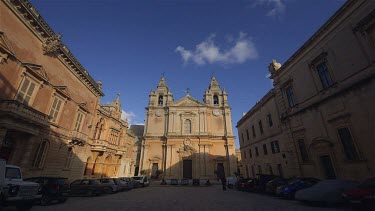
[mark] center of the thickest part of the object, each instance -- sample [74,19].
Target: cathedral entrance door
[154,171]
[187,169]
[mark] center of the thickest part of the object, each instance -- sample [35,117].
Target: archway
[89,167]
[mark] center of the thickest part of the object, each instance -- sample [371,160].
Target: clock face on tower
[158,112]
[216,112]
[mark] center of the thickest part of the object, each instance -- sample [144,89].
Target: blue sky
[129,44]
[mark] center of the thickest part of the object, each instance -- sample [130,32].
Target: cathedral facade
[188,138]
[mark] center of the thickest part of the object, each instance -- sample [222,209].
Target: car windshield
[13,173]
[137,178]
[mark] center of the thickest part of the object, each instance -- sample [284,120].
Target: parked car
[273,184]
[143,180]
[121,184]
[87,187]
[262,181]
[364,193]
[248,184]
[130,182]
[110,185]
[231,182]
[327,192]
[51,189]
[291,188]
[13,190]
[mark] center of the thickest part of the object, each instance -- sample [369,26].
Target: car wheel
[90,193]
[44,201]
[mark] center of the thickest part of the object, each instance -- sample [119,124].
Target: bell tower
[162,96]
[214,96]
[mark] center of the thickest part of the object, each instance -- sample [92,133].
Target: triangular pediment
[37,70]
[63,90]
[188,101]
[5,44]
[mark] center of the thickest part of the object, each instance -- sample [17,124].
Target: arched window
[160,101]
[68,160]
[187,126]
[216,100]
[40,154]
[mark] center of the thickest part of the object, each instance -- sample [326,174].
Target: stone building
[188,138]
[240,171]
[137,131]
[263,148]
[325,95]
[51,120]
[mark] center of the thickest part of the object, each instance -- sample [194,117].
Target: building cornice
[317,35]
[31,18]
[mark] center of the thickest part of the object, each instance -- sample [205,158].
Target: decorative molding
[37,70]
[52,44]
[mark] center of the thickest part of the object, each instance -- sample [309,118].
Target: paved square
[181,198]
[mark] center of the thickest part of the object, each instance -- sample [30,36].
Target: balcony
[99,145]
[14,109]
[75,135]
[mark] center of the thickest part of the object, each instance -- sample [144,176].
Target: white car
[142,180]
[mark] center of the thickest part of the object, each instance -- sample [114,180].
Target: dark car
[247,184]
[288,191]
[130,182]
[364,193]
[110,185]
[262,181]
[86,187]
[273,184]
[51,189]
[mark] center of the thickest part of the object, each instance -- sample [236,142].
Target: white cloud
[276,7]
[127,116]
[243,49]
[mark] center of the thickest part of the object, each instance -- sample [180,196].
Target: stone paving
[158,197]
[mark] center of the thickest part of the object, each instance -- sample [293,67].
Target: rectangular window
[303,151]
[247,134]
[324,75]
[26,90]
[347,142]
[269,117]
[290,95]
[256,151]
[55,108]
[79,120]
[275,147]
[265,149]
[253,129]
[242,138]
[244,154]
[253,171]
[250,154]
[260,127]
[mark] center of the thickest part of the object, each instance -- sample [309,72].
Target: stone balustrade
[12,107]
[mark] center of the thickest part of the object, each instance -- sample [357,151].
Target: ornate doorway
[187,169]
[328,169]
[154,171]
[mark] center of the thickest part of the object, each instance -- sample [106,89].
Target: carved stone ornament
[216,112]
[158,112]
[274,66]
[52,44]
[3,57]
